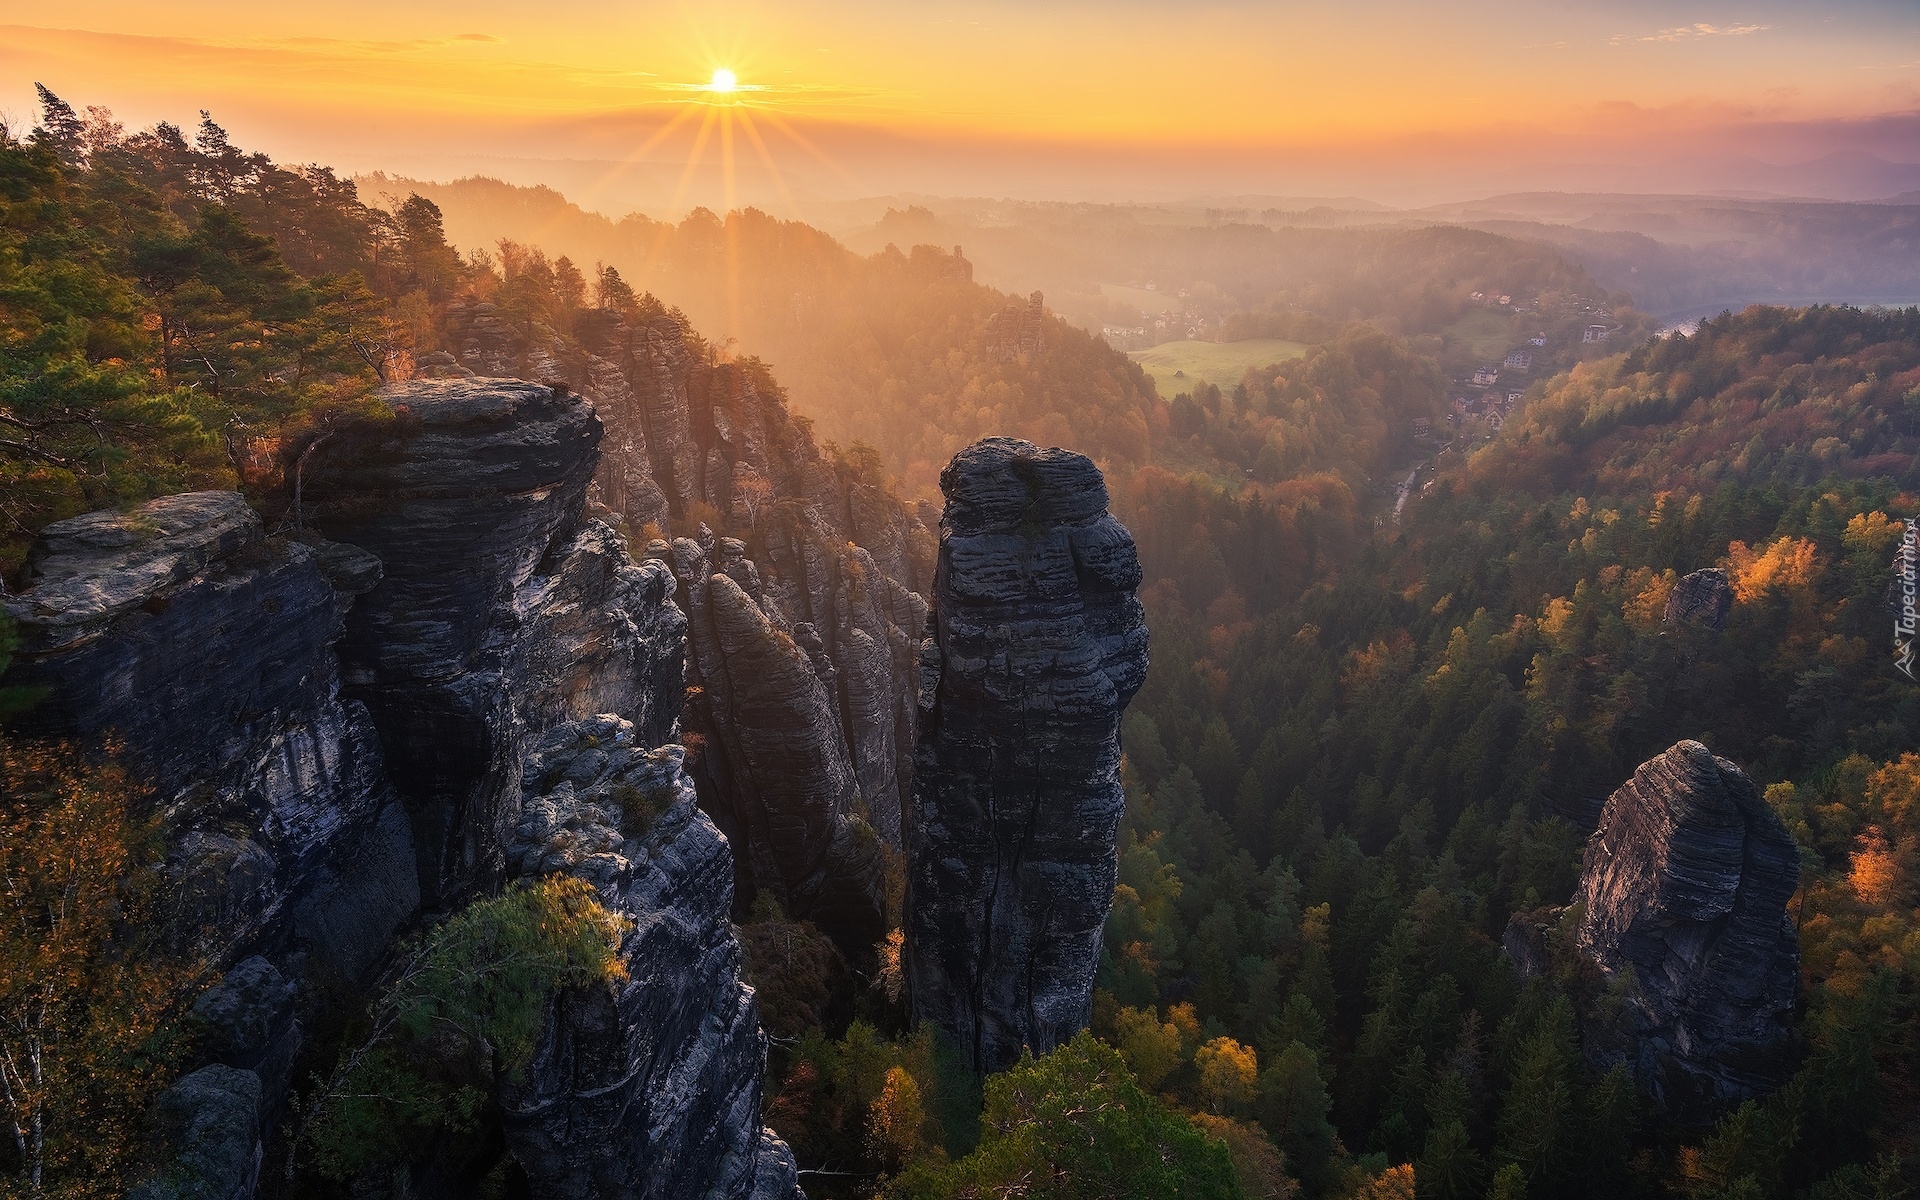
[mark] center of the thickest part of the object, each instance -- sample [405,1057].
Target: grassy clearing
[1177,366]
[1485,334]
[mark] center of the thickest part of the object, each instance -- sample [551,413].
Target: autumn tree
[91,1007]
[1075,1124]
[464,1009]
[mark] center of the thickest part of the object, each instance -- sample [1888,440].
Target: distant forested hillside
[1767,396]
[1406,280]
[893,349]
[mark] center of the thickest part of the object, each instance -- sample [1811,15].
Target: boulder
[1684,892]
[211,1124]
[1703,598]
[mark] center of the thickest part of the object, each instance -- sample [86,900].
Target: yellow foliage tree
[1150,1046]
[1873,533]
[1394,1183]
[1875,876]
[1788,562]
[89,1015]
[1227,1073]
[895,1118]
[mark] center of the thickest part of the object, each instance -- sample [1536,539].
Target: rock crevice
[826,555]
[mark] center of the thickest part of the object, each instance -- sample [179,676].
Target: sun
[723,81]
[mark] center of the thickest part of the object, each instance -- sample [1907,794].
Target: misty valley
[912,695]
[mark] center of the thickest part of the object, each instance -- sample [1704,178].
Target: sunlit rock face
[1035,644]
[829,559]
[651,1086]
[1684,890]
[502,609]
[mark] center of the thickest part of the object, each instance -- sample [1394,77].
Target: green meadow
[1177,366]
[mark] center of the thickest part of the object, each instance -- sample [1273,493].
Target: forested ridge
[1363,747]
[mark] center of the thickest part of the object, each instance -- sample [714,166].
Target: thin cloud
[479,37]
[1688,33]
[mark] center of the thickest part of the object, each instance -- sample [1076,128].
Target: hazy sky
[1026,97]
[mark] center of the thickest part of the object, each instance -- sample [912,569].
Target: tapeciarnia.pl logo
[1906,570]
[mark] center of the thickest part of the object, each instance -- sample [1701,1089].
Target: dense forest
[1343,794]
[1367,742]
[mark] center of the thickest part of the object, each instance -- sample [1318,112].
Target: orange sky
[858,97]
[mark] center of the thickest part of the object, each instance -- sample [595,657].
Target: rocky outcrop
[835,564]
[1035,645]
[211,1123]
[1018,330]
[502,611]
[784,784]
[276,689]
[650,1087]
[1684,889]
[203,647]
[1704,597]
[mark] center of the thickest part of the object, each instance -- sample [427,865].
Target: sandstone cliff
[651,1087]
[830,560]
[1034,647]
[339,730]
[205,648]
[500,611]
[1684,888]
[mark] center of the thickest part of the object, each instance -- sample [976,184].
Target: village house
[1520,360]
[1594,333]
[1485,377]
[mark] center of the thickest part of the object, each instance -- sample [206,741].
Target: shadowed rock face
[1035,645]
[481,609]
[783,778]
[500,612]
[650,1087]
[1685,887]
[1704,597]
[829,560]
[204,648]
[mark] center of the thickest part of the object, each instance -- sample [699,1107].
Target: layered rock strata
[649,1087]
[1684,889]
[1035,645]
[274,689]
[784,784]
[501,611]
[1704,597]
[836,563]
[182,633]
